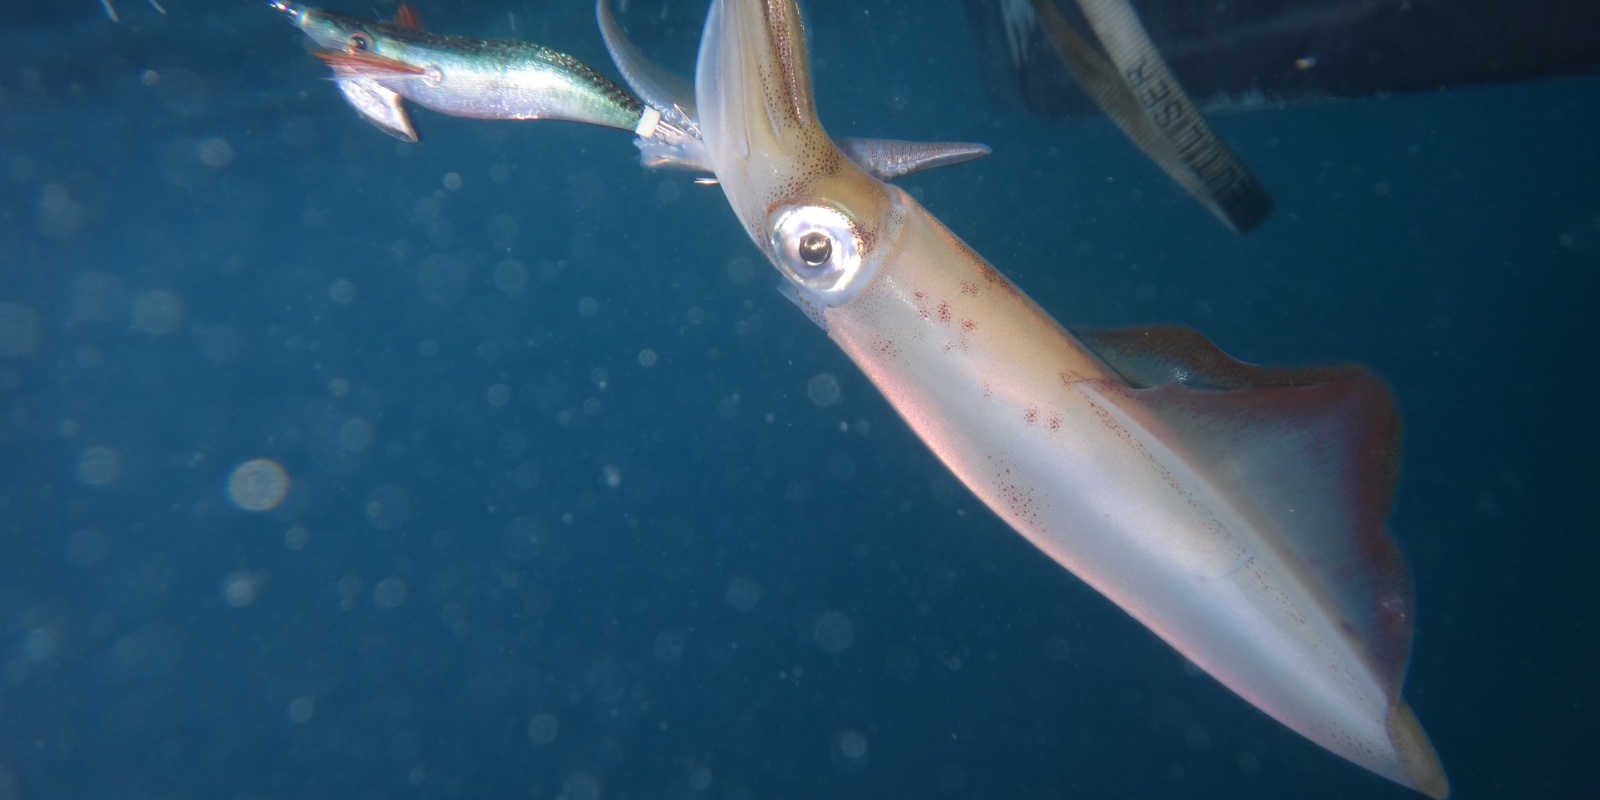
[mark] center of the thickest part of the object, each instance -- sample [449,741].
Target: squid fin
[888,159]
[1312,453]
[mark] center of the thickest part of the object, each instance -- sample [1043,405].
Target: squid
[1236,511]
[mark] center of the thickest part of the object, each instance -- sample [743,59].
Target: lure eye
[359,41]
[815,248]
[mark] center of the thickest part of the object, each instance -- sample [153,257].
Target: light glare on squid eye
[815,248]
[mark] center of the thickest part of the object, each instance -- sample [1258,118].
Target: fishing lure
[379,65]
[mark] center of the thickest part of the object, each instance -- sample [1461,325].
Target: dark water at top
[580,507]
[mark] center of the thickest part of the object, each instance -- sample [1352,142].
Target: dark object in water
[1252,52]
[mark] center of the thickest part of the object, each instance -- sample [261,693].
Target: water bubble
[903,662]
[426,210]
[296,538]
[342,291]
[60,215]
[98,466]
[157,313]
[41,644]
[588,306]
[669,646]
[952,779]
[21,168]
[511,444]
[348,587]
[510,276]
[297,130]
[452,181]
[220,343]
[699,778]
[19,330]
[442,279]
[86,547]
[525,475]
[302,709]
[182,91]
[215,153]
[503,231]
[647,357]
[389,593]
[499,395]
[97,297]
[1056,649]
[523,538]
[849,750]
[1249,763]
[258,485]
[149,650]
[355,435]
[743,593]
[823,389]
[542,729]
[741,270]
[239,589]
[388,507]
[581,786]
[586,189]
[833,632]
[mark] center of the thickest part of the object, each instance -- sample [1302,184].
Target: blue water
[580,507]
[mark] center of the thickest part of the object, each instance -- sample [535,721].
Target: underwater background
[579,507]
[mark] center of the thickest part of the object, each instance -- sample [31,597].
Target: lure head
[353,49]
[340,32]
[329,30]
[292,9]
[298,14]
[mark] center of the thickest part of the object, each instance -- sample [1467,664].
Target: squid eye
[359,41]
[819,249]
[815,248]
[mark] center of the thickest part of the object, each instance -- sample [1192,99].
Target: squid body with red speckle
[1237,512]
